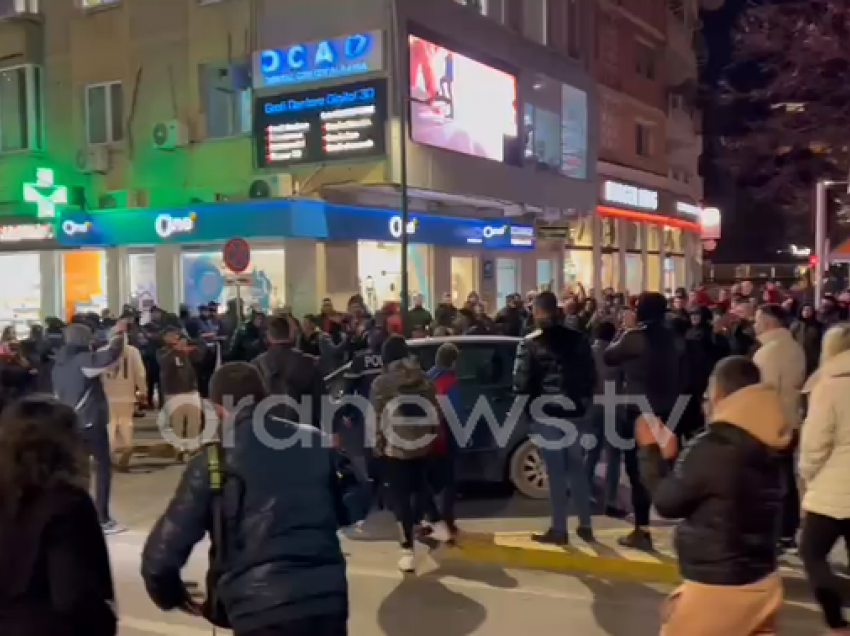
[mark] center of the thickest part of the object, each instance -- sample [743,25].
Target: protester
[782,363]
[56,575]
[177,361]
[726,542]
[77,381]
[281,506]
[653,361]
[825,473]
[556,361]
[122,383]
[444,481]
[404,442]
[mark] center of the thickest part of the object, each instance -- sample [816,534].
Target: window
[535,21]
[21,109]
[93,4]
[104,113]
[573,29]
[643,140]
[645,57]
[226,99]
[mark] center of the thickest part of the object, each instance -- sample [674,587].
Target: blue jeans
[565,469]
[96,440]
[613,456]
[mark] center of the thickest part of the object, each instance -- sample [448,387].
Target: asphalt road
[449,599]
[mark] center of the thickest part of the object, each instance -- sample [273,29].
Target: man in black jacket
[727,541]
[552,363]
[290,372]
[652,358]
[284,572]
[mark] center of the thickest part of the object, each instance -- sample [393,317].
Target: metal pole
[820,239]
[401,84]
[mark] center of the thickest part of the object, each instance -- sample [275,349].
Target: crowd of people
[728,468]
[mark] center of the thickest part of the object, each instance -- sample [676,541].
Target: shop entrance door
[464,278]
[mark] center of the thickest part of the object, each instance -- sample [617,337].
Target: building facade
[184,119]
[645,232]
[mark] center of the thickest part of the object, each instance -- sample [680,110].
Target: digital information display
[342,122]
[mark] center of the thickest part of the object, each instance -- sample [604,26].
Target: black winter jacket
[290,372]
[653,360]
[556,361]
[282,507]
[728,487]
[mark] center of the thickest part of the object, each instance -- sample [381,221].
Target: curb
[514,550]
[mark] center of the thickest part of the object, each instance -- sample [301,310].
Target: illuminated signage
[396,225]
[631,196]
[16,233]
[70,228]
[46,195]
[167,225]
[318,61]
[323,124]
[522,236]
[688,209]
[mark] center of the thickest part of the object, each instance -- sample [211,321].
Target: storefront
[38,280]
[303,251]
[652,237]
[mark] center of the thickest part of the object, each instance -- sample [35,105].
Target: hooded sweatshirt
[405,431]
[728,487]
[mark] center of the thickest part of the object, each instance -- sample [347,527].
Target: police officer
[366,365]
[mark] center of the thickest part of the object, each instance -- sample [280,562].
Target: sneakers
[112,527]
[407,562]
[637,540]
[585,533]
[551,537]
[440,532]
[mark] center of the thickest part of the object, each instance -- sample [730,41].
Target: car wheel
[527,472]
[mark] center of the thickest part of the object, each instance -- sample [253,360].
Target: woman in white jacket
[825,472]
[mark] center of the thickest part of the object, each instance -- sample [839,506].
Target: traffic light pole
[820,239]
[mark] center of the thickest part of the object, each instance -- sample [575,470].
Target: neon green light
[45,193]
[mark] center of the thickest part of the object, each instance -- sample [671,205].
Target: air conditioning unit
[93,160]
[120,199]
[278,186]
[169,135]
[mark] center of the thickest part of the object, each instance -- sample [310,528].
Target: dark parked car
[493,426]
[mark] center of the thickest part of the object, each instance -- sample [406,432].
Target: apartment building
[650,189]
[136,136]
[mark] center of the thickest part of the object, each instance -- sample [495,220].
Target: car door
[485,382]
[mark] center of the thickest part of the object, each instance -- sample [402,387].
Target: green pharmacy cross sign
[46,195]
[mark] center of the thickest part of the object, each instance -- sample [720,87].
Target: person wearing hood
[404,436]
[825,472]
[77,381]
[782,363]
[726,541]
[653,360]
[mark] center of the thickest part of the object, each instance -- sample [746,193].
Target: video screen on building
[460,104]
[320,125]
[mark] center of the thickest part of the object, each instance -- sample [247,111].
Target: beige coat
[825,440]
[126,377]
[782,363]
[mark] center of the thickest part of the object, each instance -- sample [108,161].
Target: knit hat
[393,349]
[78,334]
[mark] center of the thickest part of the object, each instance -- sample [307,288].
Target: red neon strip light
[642,217]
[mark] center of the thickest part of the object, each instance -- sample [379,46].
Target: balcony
[11,9]
[681,53]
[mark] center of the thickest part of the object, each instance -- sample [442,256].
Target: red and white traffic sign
[237,255]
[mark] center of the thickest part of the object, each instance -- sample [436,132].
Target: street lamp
[402,88]
[821,257]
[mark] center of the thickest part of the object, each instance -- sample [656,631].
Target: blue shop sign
[319,61]
[294,218]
